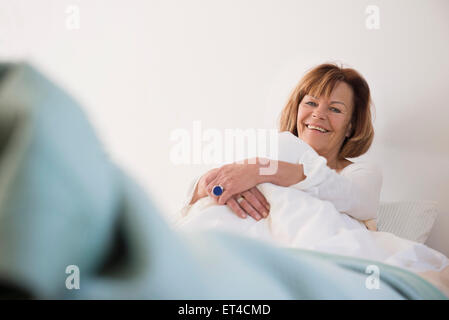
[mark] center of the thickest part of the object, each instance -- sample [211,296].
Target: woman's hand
[235,178]
[251,202]
[200,191]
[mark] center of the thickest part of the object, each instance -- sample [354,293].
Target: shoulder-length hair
[320,81]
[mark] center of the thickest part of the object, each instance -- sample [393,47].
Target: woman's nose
[320,111]
[318,114]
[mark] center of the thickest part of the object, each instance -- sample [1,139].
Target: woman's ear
[349,130]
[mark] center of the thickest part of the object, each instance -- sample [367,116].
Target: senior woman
[329,110]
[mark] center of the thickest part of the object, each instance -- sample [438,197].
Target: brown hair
[320,81]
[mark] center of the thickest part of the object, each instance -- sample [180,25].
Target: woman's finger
[235,207]
[210,188]
[249,209]
[255,203]
[227,194]
[211,175]
[259,195]
[224,197]
[204,181]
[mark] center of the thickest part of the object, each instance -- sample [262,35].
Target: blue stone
[217,191]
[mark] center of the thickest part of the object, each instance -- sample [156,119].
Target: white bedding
[300,220]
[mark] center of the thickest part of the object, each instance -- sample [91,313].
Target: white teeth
[317,128]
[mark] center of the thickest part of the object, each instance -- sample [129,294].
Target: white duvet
[299,220]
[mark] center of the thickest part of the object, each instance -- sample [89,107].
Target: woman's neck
[332,160]
[336,163]
[333,164]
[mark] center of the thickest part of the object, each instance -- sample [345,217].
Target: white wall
[145,68]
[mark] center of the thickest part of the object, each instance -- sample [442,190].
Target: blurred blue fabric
[63,202]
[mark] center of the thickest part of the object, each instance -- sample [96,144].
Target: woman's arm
[238,177]
[355,192]
[286,175]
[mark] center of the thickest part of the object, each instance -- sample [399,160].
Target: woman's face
[332,114]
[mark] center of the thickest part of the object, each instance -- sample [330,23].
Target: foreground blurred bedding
[64,203]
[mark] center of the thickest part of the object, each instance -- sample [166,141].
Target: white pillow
[411,220]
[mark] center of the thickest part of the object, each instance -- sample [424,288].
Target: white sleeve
[366,184]
[356,191]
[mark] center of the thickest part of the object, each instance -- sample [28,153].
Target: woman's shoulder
[364,172]
[357,166]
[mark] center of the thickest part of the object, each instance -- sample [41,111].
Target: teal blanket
[64,203]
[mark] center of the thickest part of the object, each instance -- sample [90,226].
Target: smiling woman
[329,110]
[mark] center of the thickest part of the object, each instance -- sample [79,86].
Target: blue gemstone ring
[217,190]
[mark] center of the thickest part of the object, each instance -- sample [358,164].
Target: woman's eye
[311,103]
[335,110]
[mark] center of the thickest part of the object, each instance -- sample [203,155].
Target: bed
[64,203]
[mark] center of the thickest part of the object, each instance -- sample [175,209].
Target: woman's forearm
[286,174]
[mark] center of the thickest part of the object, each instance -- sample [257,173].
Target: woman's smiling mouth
[316,128]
